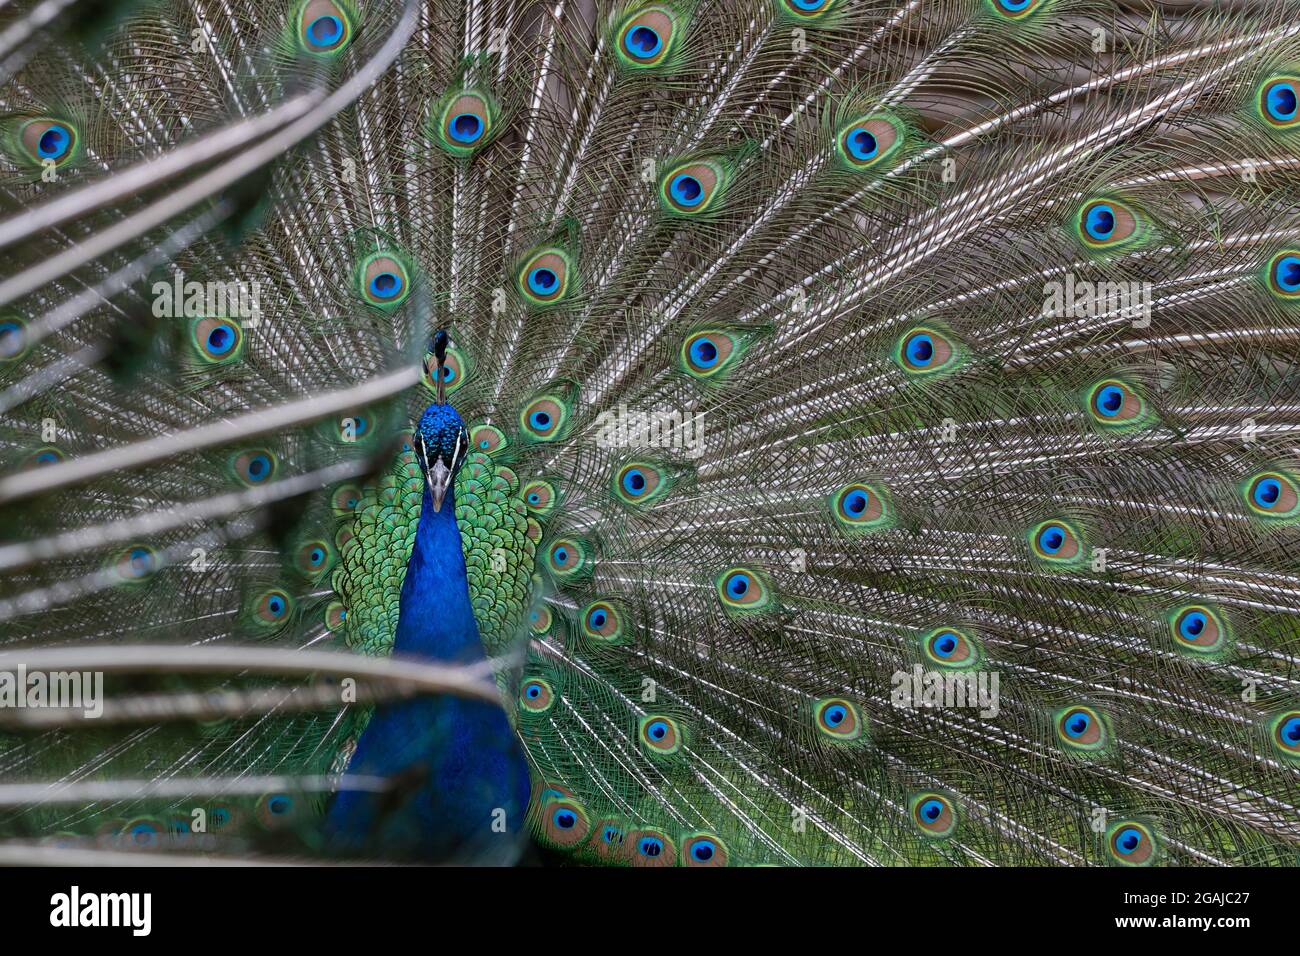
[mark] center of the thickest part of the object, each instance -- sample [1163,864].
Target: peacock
[650,432]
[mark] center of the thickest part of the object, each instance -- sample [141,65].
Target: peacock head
[441,438]
[441,444]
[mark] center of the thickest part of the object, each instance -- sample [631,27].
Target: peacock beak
[439,480]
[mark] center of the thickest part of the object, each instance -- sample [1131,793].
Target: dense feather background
[833,230]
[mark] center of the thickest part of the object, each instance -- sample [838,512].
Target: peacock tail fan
[879,424]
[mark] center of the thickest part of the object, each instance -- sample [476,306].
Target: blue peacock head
[441,438]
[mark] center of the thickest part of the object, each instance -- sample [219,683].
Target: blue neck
[436,620]
[457,763]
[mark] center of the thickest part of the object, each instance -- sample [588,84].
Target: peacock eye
[1198,628]
[336,615]
[1130,843]
[536,696]
[42,457]
[13,339]
[1057,542]
[544,418]
[272,607]
[640,483]
[858,507]
[48,141]
[1015,8]
[924,351]
[692,188]
[1278,102]
[602,622]
[865,142]
[453,372]
[703,849]
[743,590]
[1081,728]
[345,498]
[806,9]
[383,280]
[539,497]
[934,814]
[951,648]
[134,563]
[837,719]
[1286,734]
[544,278]
[254,467]
[275,810]
[1114,404]
[1272,494]
[323,27]
[564,822]
[652,849]
[1106,222]
[489,439]
[313,558]
[216,340]
[660,735]
[1284,274]
[646,38]
[467,120]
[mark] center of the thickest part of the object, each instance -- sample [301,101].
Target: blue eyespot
[258,468]
[1192,625]
[1015,6]
[1077,724]
[466,128]
[1110,400]
[642,42]
[650,846]
[686,190]
[703,850]
[704,353]
[1128,840]
[855,502]
[221,339]
[596,619]
[612,835]
[279,804]
[932,810]
[1051,538]
[945,644]
[658,729]
[1100,221]
[920,350]
[543,281]
[1291,730]
[1280,101]
[1267,492]
[386,285]
[738,585]
[634,482]
[565,818]
[275,605]
[1286,273]
[808,6]
[325,31]
[541,421]
[861,143]
[533,691]
[533,498]
[835,714]
[140,561]
[561,556]
[11,340]
[54,142]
